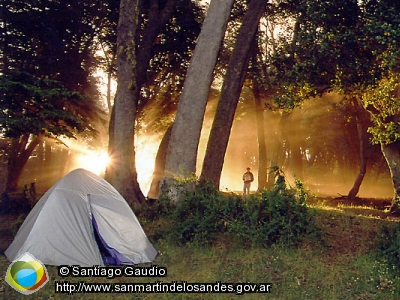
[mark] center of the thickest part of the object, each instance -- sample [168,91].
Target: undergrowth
[388,247]
[277,216]
[15,203]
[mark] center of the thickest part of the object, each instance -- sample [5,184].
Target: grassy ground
[341,264]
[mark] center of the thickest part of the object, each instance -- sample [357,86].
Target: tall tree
[175,19]
[365,147]
[121,173]
[31,109]
[349,46]
[185,135]
[262,149]
[383,103]
[159,165]
[47,59]
[233,82]
[257,71]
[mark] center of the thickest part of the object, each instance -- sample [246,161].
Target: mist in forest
[316,143]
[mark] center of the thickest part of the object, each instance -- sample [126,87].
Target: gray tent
[82,220]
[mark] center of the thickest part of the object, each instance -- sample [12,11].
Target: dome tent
[82,220]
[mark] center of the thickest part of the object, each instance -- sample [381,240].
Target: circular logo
[26,275]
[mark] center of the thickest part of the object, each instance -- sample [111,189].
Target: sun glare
[97,161]
[94,161]
[146,150]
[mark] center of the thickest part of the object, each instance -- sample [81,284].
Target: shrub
[152,209]
[197,217]
[14,203]
[268,217]
[388,246]
[273,217]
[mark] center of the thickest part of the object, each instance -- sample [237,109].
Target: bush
[14,203]
[388,246]
[268,217]
[198,216]
[274,217]
[153,209]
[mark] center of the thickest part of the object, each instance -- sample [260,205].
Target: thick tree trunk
[185,135]
[159,166]
[157,19]
[233,82]
[121,173]
[391,153]
[20,151]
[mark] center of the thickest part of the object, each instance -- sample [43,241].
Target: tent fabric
[59,229]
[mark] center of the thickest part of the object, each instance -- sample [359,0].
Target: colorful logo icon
[26,274]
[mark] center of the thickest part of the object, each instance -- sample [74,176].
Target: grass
[342,264]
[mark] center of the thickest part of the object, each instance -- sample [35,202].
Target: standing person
[248,178]
[280,182]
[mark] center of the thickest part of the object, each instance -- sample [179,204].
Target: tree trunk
[391,153]
[157,20]
[20,151]
[185,135]
[48,153]
[296,159]
[277,159]
[159,166]
[233,82]
[109,80]
[362,118]
[262,150]
[121,173]
[258,72]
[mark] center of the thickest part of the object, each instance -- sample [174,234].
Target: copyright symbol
[63,271]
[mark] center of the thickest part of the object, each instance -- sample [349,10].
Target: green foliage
[53,39]
[344,270]
[197,217]
[345,45]
[293,95]
[13,203]
[388,247]
[277,216]
[384,105]
[152,210]
[47,65]
[33,106]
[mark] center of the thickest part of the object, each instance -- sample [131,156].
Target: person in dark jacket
[248,178]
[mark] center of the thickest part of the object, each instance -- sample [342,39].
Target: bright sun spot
[94,161]
[146,150]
